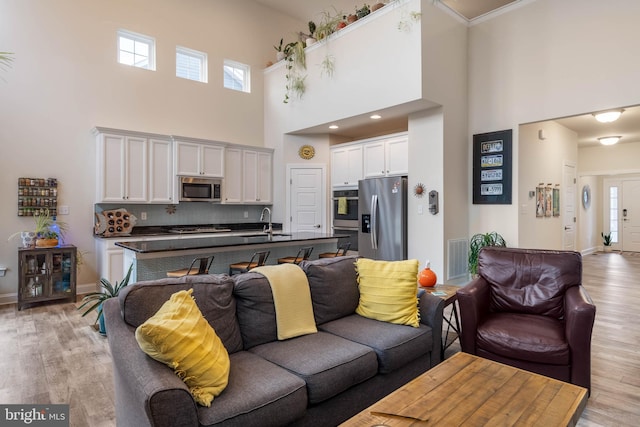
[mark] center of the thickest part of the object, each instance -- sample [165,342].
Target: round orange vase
[427,278]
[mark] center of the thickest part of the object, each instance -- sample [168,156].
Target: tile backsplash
[193,213]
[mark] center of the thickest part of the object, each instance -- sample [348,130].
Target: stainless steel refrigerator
[382,210]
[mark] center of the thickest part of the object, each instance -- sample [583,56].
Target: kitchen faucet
[269,228]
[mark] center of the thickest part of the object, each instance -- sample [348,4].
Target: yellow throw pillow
[179,336]
[388,291]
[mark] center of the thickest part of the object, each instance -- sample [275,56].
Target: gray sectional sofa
[318,379]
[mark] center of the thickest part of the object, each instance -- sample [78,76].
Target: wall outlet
[63,210]
[246,214]
[143,216]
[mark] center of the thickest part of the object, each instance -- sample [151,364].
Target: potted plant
[94,300]
[606,241]
[280,54]
[363,11]
[47,232]
[479,241]
[311,38]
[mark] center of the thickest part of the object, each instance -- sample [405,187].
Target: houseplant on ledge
[94,300]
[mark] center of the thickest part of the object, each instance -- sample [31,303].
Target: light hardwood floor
[50,354]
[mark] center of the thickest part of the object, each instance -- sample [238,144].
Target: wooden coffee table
[472,391]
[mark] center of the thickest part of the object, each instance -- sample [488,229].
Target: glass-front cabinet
[47,274]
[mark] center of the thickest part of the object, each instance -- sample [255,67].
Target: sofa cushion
[395,345]
[388,290]
[334,289]
[529,281]
[259,393]
[256,311]
[327,363]
[178,336]
[213,295]
[532,338]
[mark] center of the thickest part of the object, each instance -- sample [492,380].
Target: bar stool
[342,251]
[203,268]
[258,259]
[303,253]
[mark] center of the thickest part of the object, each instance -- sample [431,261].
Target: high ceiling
[310,10]
[587,128]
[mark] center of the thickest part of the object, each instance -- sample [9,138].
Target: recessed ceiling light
[334,127]
[376,116]
[608,116]
[609,140]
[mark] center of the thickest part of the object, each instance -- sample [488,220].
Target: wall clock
[586,196]
[306,152]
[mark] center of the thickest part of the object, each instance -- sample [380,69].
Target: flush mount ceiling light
[334,127]
[608,116]
[609,140]
[376,117]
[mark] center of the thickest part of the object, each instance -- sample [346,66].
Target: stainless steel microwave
[196,189]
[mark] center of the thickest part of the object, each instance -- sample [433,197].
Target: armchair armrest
[147,392]
[473,301]
[580,313]
[431,308]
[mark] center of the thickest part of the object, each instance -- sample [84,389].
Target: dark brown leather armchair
[528,309]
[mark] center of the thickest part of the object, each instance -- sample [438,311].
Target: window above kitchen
[236,76]
[136,50]
[191,64]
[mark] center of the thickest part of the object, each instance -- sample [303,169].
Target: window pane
[126,44]
[136,49]
[142,48]
[613,214]
[126,58]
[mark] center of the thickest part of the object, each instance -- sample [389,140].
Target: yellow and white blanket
[292,299]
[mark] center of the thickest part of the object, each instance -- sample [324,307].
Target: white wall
[65,80]
[544,60]
[378,66]
[541,161]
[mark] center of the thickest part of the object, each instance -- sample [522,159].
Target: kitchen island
[152,259]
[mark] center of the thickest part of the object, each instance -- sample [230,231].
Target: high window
[136,50]
[236,76]
[191,64]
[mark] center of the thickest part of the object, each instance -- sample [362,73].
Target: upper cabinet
[232,187]
[346,165]
[133,168]
[386,156]
[199,159]
[257,171]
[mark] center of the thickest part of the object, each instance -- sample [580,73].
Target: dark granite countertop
[165,230]
[220,241]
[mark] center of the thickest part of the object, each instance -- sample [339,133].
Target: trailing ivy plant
[295,65]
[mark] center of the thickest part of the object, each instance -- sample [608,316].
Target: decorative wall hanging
[556,201]
[306,152]
[492,167]
[540,201]
[419,190]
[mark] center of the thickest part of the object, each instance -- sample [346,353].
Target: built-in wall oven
[345,216]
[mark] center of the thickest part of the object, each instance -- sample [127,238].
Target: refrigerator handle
[374,221]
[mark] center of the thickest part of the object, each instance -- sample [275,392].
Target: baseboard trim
[81,289]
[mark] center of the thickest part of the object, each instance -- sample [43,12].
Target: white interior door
[630,214]
[307,200]
[569,206]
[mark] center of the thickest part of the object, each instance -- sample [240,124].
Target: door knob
[567,228]
[317,226]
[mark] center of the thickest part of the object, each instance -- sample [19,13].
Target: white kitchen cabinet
[386,156]
[257,177]
[160,171]
[199,159]
[232,187]
[122,169]
[346,165]
[133,167]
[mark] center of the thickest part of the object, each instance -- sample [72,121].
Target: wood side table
[450,297]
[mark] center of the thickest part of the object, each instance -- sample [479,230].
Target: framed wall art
[556,201]
[492,167]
